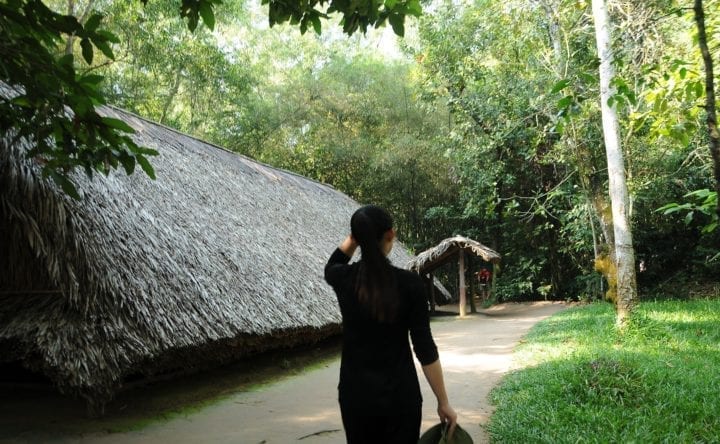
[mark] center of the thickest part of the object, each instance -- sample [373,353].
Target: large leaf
[145,165]
[93,22]
[66,184]
[414,8]
[207,14]
[128,162]
[397,22]
[317,25]
[87,50]
[117,124]
[103,46]
[559,86]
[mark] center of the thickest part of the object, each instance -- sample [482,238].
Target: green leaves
[396,12]
[64,183]
[623,96]
[311,18]
[207,14]
[565,102]
[146,167]
[397,22]
[559,86]
[193,10]
[413,8]
[93,23]
[56,105]
[53,107]
[117,124]
[355,15]
[700,201]
[87,50]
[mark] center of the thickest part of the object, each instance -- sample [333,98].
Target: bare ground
[272,401]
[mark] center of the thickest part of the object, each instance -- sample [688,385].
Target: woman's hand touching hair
[349,245]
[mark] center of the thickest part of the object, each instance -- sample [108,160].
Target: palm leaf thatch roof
[220,254]
[447,250]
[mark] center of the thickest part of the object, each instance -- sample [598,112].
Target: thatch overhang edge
[435,257]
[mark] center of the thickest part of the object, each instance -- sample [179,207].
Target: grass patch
[584,382]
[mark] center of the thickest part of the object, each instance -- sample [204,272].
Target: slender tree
[624,252]
[711,116]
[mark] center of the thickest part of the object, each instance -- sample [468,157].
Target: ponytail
[375,285]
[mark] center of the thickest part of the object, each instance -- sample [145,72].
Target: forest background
[484,121]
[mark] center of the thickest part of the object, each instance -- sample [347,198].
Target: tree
[52,105]
[191,81]
[352,119]
[517,190]
[711,116]
[624,251]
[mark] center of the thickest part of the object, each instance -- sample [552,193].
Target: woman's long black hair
[375,286]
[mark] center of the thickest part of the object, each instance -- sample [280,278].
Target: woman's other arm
[427,353]
[434,375]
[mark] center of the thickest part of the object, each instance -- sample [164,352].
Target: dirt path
[475,351]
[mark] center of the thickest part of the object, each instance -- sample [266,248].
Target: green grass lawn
[582,381]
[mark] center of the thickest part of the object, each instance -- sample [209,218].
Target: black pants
[402,428]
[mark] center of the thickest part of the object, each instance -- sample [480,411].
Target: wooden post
[471,266]
[431,282]
[461,271]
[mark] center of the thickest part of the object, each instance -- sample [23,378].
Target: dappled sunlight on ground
[323,415]
[475,363]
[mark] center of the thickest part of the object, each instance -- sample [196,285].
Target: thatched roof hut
[452,249]
[220,254]
[447,250]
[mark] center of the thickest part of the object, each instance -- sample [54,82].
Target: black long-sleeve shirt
[377,373]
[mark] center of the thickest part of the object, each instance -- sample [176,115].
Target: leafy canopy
[48,101]
[53,105]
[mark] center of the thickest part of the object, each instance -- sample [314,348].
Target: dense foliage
[487,125]
[51,103]
[51,99]
[520,80]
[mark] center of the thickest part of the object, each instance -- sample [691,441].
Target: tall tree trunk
[171,97]
[624,252]
[604,256]
[71,38]
[711,116]
[605,260]
[551,13]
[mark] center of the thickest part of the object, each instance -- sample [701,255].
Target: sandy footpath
[475,352]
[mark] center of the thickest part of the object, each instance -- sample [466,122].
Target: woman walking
[379,393]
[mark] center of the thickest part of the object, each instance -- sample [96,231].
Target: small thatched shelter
[218,258]
[451,249]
